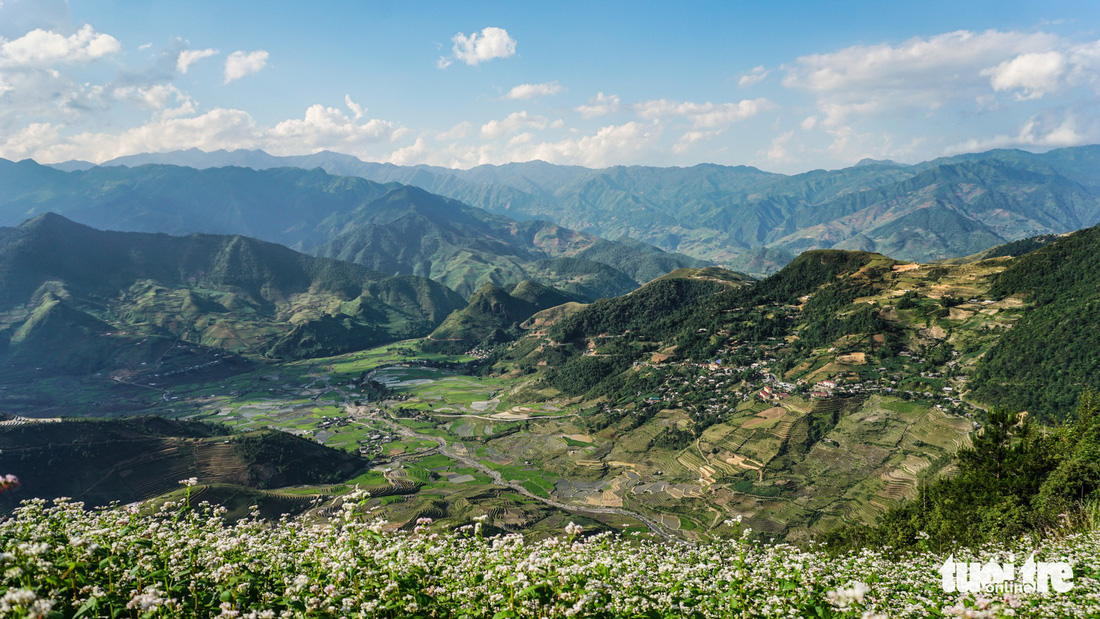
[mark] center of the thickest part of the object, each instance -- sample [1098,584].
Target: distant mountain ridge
[938,209]
[391,227]
[74,298]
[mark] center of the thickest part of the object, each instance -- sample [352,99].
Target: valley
[524,371]
[792,440]
[502,310]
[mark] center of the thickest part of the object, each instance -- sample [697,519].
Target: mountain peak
[867,161]
[49,220]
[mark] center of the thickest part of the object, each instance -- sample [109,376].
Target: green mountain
[391,228]
[821,395]
[412,231]
[1052,353]
[933,210]
[493,315]
[71,297]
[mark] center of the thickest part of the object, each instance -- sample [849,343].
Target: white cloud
[779,149]
[691,138]
[1050,129]
[530,91]
[613,144]
[321,128]
[513,123]
[869,97]
[356,109]
[921,72]
[600,105]
[240,64]
[189,57]
[41,48]
[755,76]
[157,98]
[702,115]
[1035,74]
[522,138]
[478,47]
[413,154]
[219,128]
[943,60]
[30,141]
[456,132]
[808,123]
[327,128]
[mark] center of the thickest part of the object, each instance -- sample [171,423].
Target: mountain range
[79,299]
[397,229]
[751,220]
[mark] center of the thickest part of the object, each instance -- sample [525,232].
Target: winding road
[446,450]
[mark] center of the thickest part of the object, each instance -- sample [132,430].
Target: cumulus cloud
[513,123]
[609,145]
[321,128]
[356,109]
[702,115]
[613,144]
[36,83]
[920,72]
[325,128]
[942,60]
[478,47]
[189,57]
[163,98]
[40,48]
[530,91]
[413,154]
[757,75]
[1049,129]
[219,128]
[1035,74]
[600,105]
[936,79]
[240,64]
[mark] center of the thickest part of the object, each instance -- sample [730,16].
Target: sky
[783,86]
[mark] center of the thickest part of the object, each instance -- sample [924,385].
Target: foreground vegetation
[1016,479]
[64,561]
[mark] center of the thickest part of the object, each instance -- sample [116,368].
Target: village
[715,388]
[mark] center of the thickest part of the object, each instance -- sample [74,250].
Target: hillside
[822,396]
[1045,361]
[131,459]
[392,228]
[73,298]
[818,396]
[493,315]
[939,209]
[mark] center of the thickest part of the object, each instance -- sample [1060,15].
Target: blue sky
[786,87]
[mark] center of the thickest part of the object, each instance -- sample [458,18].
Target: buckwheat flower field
[59,560]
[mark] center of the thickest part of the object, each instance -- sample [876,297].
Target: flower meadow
[60,560]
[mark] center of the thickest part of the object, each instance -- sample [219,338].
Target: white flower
[844,598]
[149,600]
[190,481]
